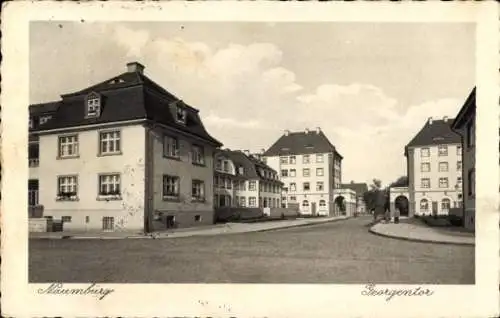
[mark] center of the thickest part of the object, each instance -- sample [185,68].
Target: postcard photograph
[251,152]
[302,150]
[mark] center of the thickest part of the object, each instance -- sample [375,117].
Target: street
[340,253]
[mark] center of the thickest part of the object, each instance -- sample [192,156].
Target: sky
[370,87]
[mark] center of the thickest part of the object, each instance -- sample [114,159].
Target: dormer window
[181,114]
[93,105]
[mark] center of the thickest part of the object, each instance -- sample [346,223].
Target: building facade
[243,180]
[465,125]
[434,166]
[359,189]
[310,168]
[124,154]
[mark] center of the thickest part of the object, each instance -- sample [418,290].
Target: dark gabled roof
[128,96]
[438,132]
[295,143]
[359,188]
[249,163]
[468,109]
[43,108]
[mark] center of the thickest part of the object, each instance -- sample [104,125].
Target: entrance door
[434,208]
[32,192]
[313,208]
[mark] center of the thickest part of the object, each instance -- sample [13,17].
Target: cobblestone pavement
[337,252]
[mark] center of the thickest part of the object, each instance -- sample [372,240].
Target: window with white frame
[459,150]
[442,150]
[459,165]
[252,186]
[445,204]
[424,206]
[305,159]
[181,114]
[293,198]
[67,187]
[319,157]
[293,160]
[305,203]
[229,183]
[293,172]
[252,202]
[425,183]
[198,190]
[218,164]
[306,172]
[243,201]
[459,181]
[306,186]
[425,167]
[198,157]
[443,167]
[108,223]
[319,172]
[170,147]
[109,184]
[68,146]
[293,187]
[424,152]
[93,105]
[443,182]
[319,186]
[284,160]
[170,186]
[322,203]
[284,173]
[44,119]
[241,170]
[110,142]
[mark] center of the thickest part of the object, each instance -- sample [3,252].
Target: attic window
[285,149]
[181,114]
[437,138]
[93,105]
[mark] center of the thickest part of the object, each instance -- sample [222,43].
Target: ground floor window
[424,206]
[198,190]
[109,184]
[108,223]
[305,203]
[252,202]
[445,204]
[322,203]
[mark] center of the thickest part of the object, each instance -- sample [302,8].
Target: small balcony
[33,162]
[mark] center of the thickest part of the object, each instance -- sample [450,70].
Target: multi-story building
[242,180]
[310,168]
[360,189]
[124,154]
[434,165]
[465,125]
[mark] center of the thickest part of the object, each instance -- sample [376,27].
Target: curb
[419,240]
[69,237]
[298,225]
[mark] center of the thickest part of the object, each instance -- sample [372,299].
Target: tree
[400,182]
[370,197]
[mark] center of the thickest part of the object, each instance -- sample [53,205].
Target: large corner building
[434,166]
[124,154]
[310,168]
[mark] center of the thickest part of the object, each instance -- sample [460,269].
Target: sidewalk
[216,229]
[413,231]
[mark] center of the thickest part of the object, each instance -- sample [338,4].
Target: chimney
[445,119]
[307,130]
[430,121]
[287,132]
[135,67]
[318,130]
[246,152]
[262,151]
